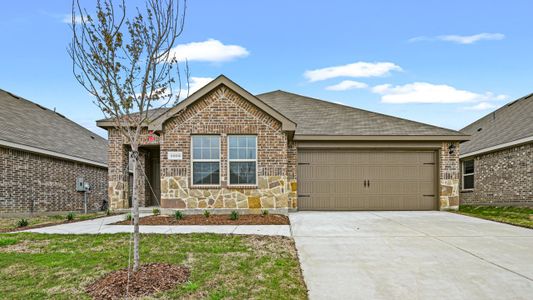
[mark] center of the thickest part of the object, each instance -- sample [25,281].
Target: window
[242,158]
[205,160]
[468,174]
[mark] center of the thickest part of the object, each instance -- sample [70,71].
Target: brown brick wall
[223,112]
[502,178]
[31,182]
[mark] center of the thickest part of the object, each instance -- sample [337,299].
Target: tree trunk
[135,203]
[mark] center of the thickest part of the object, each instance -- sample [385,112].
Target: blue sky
[445,63]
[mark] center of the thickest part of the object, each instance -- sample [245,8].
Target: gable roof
[509,125]
[319,119]
[286,124]
[315,119]
[29,126]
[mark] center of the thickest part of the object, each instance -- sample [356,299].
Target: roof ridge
[363,110]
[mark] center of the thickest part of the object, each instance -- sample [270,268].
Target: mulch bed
[4,230]
[148,280]
[271,219]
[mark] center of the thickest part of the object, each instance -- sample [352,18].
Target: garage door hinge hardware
[304,196]
[429,195]
[303,164]
[428,163]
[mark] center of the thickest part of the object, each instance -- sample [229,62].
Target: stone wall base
[272,192]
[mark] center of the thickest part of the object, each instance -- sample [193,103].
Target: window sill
[205,187]
[466,191]
[237,186]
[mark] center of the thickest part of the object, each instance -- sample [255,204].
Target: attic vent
[92,137]
[41,107]
[13,95]
[479,129]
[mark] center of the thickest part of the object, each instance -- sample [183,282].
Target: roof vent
[479,129]
[92,137]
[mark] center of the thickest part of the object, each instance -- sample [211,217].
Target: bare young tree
[124,59]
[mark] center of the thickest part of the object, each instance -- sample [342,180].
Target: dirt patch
[26,246]
[212,220]
[149,279]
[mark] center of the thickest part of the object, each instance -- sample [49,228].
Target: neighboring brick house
[497,163]
[42,153]
[224,148]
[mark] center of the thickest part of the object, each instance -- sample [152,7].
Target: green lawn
[520,216]
[38,266]
[10,223]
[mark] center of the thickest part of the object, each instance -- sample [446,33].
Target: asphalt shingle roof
[513,121]
[319,117]
[27,123]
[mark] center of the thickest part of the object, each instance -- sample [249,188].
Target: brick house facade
[42,154]
[32,183]
[502,178]
[224,110]
[497,163]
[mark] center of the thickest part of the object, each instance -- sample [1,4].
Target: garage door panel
[334,180]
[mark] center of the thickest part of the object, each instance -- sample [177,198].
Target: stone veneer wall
[31,182]
[503,178]
[119,179]
[449,177]
[223,112]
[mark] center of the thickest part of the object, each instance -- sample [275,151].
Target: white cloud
[423,92]
[210,51]
[470,39]
[481,106]
[462,39]
[358,69]
[196,83]
[68,19]
[347,85]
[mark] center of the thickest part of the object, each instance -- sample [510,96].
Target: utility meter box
[80,184]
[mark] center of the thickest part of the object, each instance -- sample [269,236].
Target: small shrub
[206,213]
[178,215]
[156,211]
[234,215]
[128,217]
[108,212]
[264,212]
[22,222]
[70,216]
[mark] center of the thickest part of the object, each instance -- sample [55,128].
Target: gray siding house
[497,163]
[42,154]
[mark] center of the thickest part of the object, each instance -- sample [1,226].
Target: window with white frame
[242,159]
[205,160]
[468,174]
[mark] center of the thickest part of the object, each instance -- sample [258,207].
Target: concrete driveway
[412,255]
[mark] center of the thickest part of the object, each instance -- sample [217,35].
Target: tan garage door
[366,180]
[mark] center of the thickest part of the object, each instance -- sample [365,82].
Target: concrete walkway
[102,225]
[412,255]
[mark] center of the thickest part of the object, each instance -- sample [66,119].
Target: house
[42,155]
[224,148]
[497,163]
